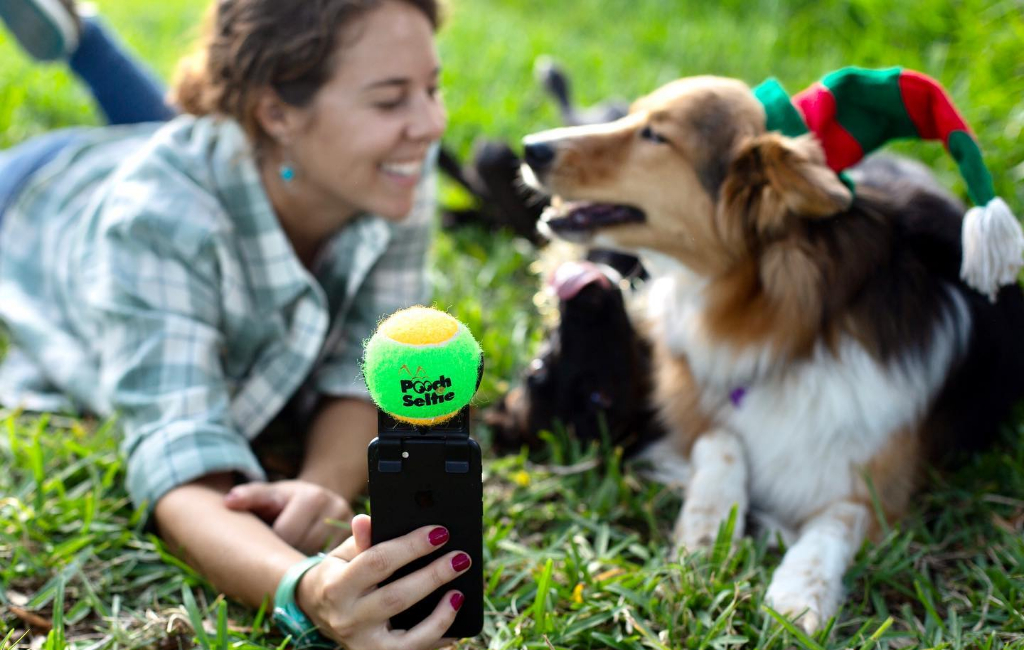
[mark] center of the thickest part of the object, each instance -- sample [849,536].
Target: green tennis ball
[422,366]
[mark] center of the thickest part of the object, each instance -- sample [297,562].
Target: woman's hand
[340,595]
[309,517]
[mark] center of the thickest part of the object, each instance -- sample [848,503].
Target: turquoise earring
[287,173]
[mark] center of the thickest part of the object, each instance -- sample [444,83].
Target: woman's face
[361,143]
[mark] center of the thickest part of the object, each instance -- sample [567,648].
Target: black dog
[592,376]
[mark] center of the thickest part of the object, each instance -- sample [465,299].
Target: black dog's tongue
[570,278]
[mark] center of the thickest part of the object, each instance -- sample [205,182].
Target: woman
[194,276]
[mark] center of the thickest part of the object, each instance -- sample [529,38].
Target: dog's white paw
[808,585]
[698,525]
[696,529]
[800,610]
[806,600]
[717,486]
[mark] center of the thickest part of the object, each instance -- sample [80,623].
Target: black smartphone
[431,475]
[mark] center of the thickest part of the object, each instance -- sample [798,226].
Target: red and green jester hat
[853,111]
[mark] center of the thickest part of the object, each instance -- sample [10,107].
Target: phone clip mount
[393,436]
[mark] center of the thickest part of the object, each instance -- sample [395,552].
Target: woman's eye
[647,133]
[391,104]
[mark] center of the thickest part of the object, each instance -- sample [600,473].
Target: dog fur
[812,344]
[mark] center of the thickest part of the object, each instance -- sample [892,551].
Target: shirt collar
[276,274]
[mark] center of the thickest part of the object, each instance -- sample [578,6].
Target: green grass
[576,546]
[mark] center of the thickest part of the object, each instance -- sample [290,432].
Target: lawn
[576,545]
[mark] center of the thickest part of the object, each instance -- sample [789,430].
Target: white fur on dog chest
[809,427]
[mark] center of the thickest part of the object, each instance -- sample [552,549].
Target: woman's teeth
[409,169]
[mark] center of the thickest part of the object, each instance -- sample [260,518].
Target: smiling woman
[205,274]
[351,131]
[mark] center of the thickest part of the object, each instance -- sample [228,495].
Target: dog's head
[690,173]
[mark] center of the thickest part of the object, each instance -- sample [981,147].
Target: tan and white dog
[813,347]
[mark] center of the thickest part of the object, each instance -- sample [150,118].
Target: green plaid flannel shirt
[144,273]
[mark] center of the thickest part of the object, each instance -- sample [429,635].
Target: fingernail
[460,562]
[438,536]
[457,599]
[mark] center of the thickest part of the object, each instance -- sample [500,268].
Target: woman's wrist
[290,616]
[307,591]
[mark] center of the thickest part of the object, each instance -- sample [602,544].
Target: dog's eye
[647,133]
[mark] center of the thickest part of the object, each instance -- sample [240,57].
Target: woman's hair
[252,44]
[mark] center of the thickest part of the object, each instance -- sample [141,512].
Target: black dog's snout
[538,154]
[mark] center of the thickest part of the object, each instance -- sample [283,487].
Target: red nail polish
[460,562]
[438,536]
[456,601]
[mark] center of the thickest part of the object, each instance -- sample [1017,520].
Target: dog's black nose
[538,154]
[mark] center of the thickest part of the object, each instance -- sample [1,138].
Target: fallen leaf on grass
[33,620]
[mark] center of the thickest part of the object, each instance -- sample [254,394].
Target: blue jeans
[125,91]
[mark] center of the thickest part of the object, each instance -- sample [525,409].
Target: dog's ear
[772,180]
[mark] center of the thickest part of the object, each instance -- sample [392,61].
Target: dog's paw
[696,530]
[799,610]
[698,526]
[808,585]
[808,605]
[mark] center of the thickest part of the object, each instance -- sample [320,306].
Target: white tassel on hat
[993,247]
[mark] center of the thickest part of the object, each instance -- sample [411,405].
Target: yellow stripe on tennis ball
[419,326]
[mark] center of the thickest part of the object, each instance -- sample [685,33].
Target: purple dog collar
[737,395]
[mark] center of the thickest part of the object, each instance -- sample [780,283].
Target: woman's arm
[236,551]
[336,447]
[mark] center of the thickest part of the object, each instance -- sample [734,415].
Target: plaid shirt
[145,273]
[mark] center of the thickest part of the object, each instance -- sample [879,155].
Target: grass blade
[195,617]
[540,616]
[800,635]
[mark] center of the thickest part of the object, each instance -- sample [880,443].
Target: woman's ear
[773,179]
[279,120]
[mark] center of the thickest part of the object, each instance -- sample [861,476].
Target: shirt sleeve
[160,364]
[398,279]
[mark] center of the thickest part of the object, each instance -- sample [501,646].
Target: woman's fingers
[265,500]
[304,521]
[430,632]
[319,537]
[378,562]
[361,532]
[402,594]
[350,604]
[358,542]
[298,517]
[328,530]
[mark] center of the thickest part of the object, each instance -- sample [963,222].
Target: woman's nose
[430,121]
